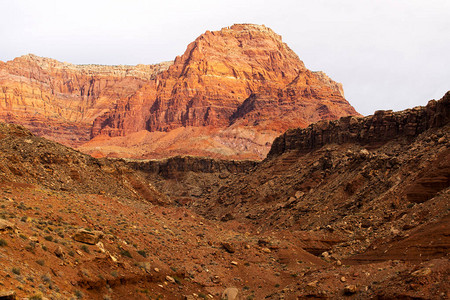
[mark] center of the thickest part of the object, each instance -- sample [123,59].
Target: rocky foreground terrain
[228,96]
[356,208]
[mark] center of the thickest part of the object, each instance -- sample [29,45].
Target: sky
[388,54]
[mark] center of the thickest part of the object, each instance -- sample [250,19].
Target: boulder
[231,294]
[5,225]
[87,237]
[7,295]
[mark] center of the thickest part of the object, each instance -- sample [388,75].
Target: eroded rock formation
[240,83]
[61,100]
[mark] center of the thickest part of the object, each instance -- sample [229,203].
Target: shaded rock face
[170,168]
[61,100]
[241,76]
[373,130]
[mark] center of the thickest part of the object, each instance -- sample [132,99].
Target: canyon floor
[339,221]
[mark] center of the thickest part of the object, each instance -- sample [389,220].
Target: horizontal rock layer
[171,167]
[58,100]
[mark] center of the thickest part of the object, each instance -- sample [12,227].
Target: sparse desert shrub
[35,297]
[78,294]
[40,262]
[48,238]
[143,253]
[85,249]
[126,253]
[3,243]
[46,278]
[16,271]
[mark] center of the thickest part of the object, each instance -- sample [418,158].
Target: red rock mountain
[229,95]
[61,100]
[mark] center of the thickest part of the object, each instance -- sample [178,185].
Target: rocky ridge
[370,131]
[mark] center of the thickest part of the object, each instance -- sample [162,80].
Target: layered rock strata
[61,100]
[371,131]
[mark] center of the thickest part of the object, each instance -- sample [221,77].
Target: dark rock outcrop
[372,131]
[174,166]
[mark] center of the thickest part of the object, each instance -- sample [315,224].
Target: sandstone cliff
[61,100]
[217,77]
[242,80]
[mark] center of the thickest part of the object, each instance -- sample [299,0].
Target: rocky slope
[332,217]
[228,96]
[61,100]
[371,191]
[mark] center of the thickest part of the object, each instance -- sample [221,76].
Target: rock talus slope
[369,193]
[329,214]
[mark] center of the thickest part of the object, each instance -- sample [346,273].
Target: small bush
[16,271]
[35,297]
[78,294]
[143,253]
[40,262]
[48,238]
[85,249]
[126,253]
[3,243]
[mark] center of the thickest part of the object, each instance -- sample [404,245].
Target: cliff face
[373,130]
[241,80]
[242,83]
[241,73]
[61,100]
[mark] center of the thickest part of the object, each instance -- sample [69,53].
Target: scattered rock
[266,250]
[350,289]
[234,263]
[343,279]
[101,247]
[5,225]
[7,295]
[87,237]
[145,265]
[422,272]
[59,252]
[230,294]
[312,283]
[299,194]
[228,247]
[170,279]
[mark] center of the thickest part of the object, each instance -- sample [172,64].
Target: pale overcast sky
[389,54]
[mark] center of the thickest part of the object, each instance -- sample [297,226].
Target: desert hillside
[352,208]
